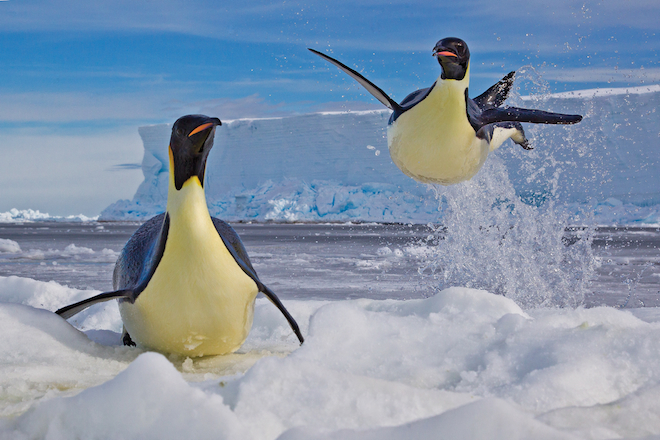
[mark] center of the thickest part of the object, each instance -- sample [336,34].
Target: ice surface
[465,363]
[487,419]
[9,246]
[30,215]
[335,166]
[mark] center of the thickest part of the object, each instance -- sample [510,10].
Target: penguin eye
[179,132]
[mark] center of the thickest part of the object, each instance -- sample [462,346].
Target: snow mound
[465,362]
[43,357]
[496,418]
[144,401]
[9,246]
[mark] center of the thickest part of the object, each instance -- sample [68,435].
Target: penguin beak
[444,53]
[201,128]
[205,126]
[440,50]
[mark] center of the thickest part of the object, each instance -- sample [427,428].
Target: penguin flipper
[364,82]
[73,309]
[496,94]
[514,114]
[275,300]
[235,247]
[141,255]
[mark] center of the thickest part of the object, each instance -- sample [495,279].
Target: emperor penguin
[184,281]
[440,135]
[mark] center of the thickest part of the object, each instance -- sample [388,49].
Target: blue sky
[79,77]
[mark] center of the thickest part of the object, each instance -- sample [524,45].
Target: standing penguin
[184,281]
[439,134]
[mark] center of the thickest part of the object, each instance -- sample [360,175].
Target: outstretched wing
[497,94]
[485,109]
[135,266]
[479,119]
[73,309]
[515,114]
[371,87]
[235,247]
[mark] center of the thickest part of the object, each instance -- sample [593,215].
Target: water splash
[492,240]
[529,86]
[519,244]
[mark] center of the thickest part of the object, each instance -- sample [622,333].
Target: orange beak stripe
[200,128]
[446,54]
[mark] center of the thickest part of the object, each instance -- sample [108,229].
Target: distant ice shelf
[31,215]
[336,166]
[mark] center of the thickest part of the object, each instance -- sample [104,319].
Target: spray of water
[515,243]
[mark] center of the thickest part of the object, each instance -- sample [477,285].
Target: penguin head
[453,56]
[190,144]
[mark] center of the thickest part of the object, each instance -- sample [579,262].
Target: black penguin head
[190,144]
[453,56]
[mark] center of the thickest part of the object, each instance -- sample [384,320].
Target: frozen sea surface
[392,350]
[328,261]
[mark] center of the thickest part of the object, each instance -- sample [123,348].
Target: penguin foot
[519,136]
[126,339]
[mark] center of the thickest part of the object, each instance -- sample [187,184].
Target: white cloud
[396,26]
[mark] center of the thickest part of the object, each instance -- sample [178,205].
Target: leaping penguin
[184,281]
[439,134]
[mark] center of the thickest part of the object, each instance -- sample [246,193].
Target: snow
[465,363]
[30,215]
[335,166]
[69,252]
[9,246]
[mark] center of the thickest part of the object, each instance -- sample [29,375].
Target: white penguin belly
[199,301]
[434,142]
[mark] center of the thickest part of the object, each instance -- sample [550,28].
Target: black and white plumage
[184,281]
[440,135]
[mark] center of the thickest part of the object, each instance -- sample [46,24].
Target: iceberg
[334,166]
